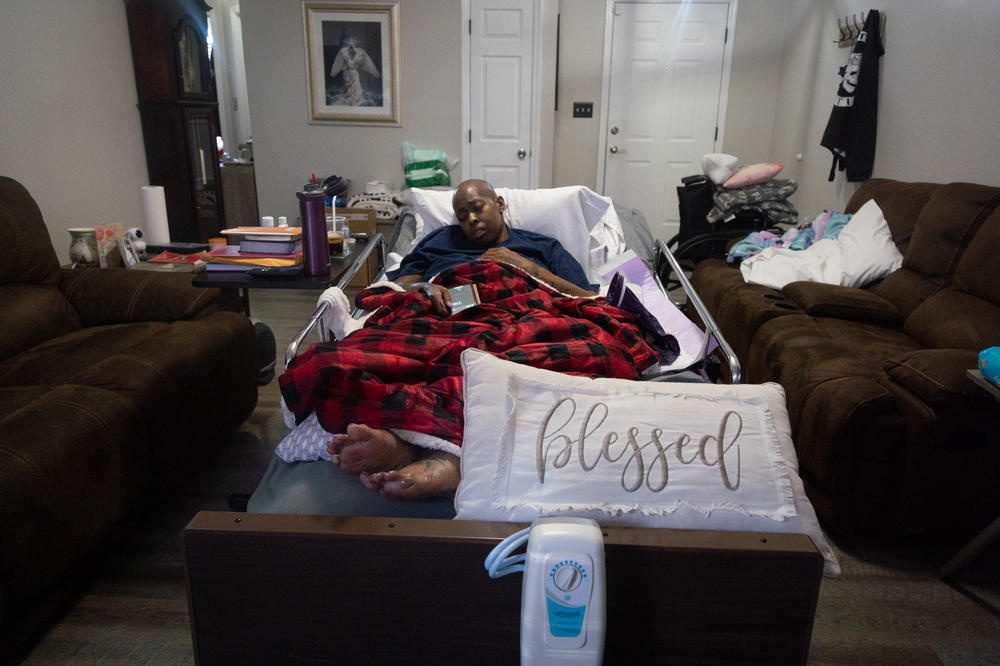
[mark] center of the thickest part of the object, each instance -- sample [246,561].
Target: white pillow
[522,454]
[719,166]
[584,222]
[868,250]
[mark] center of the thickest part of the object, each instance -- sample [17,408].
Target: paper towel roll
[154,209]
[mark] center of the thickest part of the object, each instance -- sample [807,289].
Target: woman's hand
[508,256]
[440,298]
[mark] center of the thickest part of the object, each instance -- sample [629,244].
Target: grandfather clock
[179,112]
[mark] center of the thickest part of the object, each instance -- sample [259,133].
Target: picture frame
[352,63]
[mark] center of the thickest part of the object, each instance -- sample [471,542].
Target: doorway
[666,71]
[508,91]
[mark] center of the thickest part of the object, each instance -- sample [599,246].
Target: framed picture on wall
[352,62]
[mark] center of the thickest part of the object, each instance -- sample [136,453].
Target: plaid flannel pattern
[402,369]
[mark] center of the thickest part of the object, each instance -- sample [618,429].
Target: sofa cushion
[32,313]
[901,203]
[978,270]
[828,300]
[118,295]
[937,376]
[953,319]
[33,308]
[69,469]
[946,225]
[28,253]
[905,289]
[737,307]
[179,375]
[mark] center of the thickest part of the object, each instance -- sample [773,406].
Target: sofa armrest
[830,300]
[937,376]
[119,295]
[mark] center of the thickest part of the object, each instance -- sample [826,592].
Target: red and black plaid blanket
[402,369]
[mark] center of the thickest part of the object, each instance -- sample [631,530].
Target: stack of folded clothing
[751,188]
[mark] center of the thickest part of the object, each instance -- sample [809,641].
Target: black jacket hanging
[850,132]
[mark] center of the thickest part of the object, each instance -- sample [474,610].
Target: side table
[342,269]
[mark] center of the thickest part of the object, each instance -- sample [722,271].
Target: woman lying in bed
[394,387]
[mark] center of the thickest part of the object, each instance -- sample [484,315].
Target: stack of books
[258,246]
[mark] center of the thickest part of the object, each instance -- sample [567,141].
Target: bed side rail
[712,330]
[377,243]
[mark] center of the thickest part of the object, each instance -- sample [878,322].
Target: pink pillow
[754,174]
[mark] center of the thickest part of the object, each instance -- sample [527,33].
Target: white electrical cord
[499,564]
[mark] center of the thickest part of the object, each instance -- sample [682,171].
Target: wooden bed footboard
[324,589]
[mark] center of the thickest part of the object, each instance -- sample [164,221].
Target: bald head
[480,212]
[472,188]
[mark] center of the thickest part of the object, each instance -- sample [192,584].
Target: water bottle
[314,241]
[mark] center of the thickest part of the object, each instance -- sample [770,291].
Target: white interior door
[666,76]
[500,88]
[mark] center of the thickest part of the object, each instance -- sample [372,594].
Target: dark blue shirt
[448,246]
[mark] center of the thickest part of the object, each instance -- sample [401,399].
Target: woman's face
[480,215]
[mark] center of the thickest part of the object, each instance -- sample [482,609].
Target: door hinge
[716,134]
[725,38]
[470,136]
[470,26]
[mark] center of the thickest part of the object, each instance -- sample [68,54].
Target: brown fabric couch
[113,383]
[890,432]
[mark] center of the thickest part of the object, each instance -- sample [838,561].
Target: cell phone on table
[463,297]
[275,271]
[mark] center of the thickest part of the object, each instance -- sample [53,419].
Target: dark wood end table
[342,269]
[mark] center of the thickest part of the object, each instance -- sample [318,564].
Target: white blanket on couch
[862,253]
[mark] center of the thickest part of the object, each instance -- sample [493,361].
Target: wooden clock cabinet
[179,112]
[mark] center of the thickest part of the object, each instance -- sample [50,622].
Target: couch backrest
[32,307]
[934,227]
[965,312]
[900,202]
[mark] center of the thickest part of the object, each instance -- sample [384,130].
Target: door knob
[522,153]
[613,149]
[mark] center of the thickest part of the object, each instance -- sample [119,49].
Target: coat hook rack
[852,26]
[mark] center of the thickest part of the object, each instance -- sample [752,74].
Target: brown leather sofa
[890,432]
[113,384]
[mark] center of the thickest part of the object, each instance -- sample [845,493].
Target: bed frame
[314,589]
[320,589]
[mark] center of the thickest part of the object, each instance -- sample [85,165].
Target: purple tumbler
[314,242]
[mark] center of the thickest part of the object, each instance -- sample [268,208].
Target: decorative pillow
[648,454]
[753,174]
[584,222]
[867,246]
[719,166]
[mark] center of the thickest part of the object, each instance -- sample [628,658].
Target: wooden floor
[888,607]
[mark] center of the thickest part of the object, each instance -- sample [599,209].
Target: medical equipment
[562,592]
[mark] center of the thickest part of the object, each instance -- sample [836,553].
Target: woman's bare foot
[365,449]
[437,475]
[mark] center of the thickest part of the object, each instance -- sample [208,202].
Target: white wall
[938,95]
[287,149]
[69,126]
[70,131]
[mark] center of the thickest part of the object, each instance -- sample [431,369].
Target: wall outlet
[583,109]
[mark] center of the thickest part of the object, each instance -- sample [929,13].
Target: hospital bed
[320,568]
